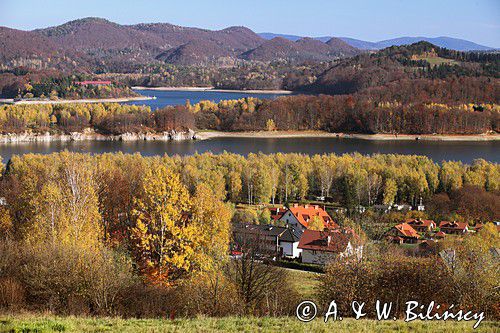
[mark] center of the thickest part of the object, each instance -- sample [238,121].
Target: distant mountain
[303,49]
[342,47]
[101,45]
[446,42]
[196,52]
[270,35]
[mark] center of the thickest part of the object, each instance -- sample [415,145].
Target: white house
[320,247]
[289,243]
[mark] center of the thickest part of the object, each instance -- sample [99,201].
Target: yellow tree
[316,224]
[162,233]
[67,208]
[211,220]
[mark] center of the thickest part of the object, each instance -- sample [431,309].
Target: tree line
[358,114]
[107,118]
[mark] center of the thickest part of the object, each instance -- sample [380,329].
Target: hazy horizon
[477,21]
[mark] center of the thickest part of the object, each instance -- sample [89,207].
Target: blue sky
[476,20]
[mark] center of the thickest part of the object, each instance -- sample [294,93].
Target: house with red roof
[320,247]
[421,225]
[402,233]
[439,235]
[454,228]
[299,217]
[277,213]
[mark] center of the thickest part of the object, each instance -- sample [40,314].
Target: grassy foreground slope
[228,324]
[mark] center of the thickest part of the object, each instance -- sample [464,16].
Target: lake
[437,151]
[178,97]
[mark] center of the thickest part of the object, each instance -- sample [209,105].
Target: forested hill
[99,44]
[420,66]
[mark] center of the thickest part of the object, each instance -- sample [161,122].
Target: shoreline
[254,91]
[205,135]
[91,135]
[10,101]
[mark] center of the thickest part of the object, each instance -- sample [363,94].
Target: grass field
[29,323]
[304,282]
[438,61]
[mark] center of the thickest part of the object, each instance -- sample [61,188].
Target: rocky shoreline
[89,134]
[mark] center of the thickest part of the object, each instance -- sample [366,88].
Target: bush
[300,266]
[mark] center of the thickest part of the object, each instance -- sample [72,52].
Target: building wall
[322,258]
[290,249]
[317,257]
[291,220]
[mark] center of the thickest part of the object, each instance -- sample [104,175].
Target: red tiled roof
[453,225]
[328,241]
[440,234]
[420,222]
[277,212]
[307,212]
[406,230]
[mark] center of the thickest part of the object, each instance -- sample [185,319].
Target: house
[320,247]
[400,207]
[439,235]
[277,213]
[453,228]
[384,209]
[266,240]
[289,244]
[298,217]
[421,225]
[402,233]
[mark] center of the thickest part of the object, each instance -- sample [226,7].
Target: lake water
[164,98]
[438,151]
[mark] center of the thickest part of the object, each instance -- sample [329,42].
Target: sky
[372,20]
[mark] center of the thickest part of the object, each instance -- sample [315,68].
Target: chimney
[328,239]
[295,205]
[316,207]
[306,206]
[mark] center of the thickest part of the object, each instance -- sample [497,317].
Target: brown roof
[440,234]
[420,222]
[453,225]
[406,230]
[306,213]
[329,240]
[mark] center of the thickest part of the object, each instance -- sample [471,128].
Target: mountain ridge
[452,43]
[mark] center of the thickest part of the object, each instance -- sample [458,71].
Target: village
[306,233]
